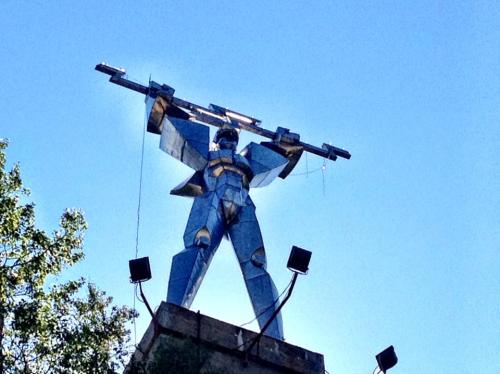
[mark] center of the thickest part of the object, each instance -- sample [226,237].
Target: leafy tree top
[55,330]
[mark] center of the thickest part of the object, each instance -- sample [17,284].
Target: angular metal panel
[265,164]
[205,213]
[202,237]
[290,151]
[186,141]
[191,187]
[157,108]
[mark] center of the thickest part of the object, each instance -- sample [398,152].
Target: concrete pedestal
[187,342]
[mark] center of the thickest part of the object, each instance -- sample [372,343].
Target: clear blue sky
[405,237]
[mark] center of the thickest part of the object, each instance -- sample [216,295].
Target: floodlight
[386,359]
[139,270]
[298,261]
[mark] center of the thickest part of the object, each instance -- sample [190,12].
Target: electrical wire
[137,296]
[133,320]
[323,168]
[139,219]
[269,307]
[307,166]
[307,172]
[140,188]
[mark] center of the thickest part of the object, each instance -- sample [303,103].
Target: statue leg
[247,242]
[202,237]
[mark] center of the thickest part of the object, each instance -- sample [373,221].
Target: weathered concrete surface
[188,342]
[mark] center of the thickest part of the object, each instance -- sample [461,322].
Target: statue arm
[266,164]
[290,151]
[185,140]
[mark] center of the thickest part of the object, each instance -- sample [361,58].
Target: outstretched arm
[288,145]
[164,103]
[266,164]
[269,160]
[185,140]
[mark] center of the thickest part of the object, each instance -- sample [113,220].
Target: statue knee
[202,238]
[258,258]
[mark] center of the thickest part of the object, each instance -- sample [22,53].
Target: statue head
[226,138]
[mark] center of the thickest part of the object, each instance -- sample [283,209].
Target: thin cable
[140,189]
[273,304]
[323,168]
[306,173]
[138,296]
[307,166]
[139,218]
[133,321]
[269,307]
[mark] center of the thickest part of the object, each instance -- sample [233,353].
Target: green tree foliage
[64,328]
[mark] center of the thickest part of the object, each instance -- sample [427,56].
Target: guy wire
[269,307]
[140,189]
[307,166]
[323,168]
[139,217]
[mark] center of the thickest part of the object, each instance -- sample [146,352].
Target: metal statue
[220,187]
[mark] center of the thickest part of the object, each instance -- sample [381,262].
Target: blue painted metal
[186,141]
[222,206]
[220,186]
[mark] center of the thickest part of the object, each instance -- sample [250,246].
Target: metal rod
[202,114]
[153,316]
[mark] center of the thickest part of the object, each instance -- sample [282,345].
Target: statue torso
[228,174]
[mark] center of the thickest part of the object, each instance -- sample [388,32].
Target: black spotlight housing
[139,270]
[299,260]
[386,359]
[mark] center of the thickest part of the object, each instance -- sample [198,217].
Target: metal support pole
[153,316]
[146,301]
